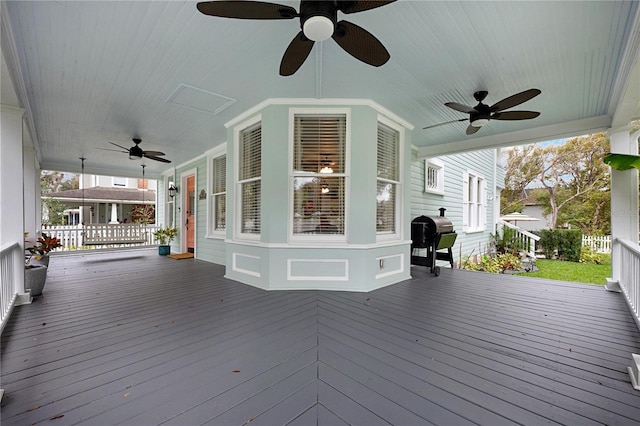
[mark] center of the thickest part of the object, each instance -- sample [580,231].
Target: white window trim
[113,182]
[439,166]
[468,178]
[397,234]
[297,238]
[218,151]
[237,214]
[169,202]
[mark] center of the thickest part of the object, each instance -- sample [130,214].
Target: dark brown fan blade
[460,107]
[153,157]
[446,122]
[514,100]
[360,44]
[154,153]
[120,146]
[296,54]
[246,10]
[472,129]
[515,115]
[360,6]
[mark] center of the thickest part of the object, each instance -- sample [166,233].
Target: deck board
[135,338]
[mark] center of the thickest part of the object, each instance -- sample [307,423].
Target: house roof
[532,197]
[103,194]
[164,72]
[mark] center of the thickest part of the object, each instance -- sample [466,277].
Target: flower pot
[34,279]
[164,250]
[39,260]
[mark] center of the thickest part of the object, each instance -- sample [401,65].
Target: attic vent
[200,100]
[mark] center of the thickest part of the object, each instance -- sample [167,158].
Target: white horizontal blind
[250,153]
[219,174]
[319,141]
[319,174]
[387,178]
[249,170]
[219,193]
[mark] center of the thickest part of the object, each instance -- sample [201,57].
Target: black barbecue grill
[432,233]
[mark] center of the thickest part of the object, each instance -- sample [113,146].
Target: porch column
[32,209]
[114,213]
[624,198]
[12,178]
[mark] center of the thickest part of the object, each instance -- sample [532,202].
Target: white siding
[422,203]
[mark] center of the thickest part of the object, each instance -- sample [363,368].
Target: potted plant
[35,277]
[36,264]
[41,249]
[164,236]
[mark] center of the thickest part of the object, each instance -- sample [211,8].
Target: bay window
[249,179]
[319,174]
[218,193]
[387,179]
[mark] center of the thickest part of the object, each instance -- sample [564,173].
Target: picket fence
[599,244]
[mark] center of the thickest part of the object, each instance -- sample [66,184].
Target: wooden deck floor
[133,338]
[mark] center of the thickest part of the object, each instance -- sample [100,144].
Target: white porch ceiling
[89,73]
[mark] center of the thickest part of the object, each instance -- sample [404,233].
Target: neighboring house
[321,196]
[468,186]
[533,208]
[107,199]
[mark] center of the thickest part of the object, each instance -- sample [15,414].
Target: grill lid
[434,224]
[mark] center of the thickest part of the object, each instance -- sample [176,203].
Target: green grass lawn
[572,271]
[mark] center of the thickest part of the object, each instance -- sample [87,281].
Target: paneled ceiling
[90,73]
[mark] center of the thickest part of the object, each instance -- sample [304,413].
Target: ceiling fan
[318,21]
[481,114]
[135,152]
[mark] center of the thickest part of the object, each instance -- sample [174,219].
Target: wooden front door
[190,222]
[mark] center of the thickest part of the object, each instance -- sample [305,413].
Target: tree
[50,182]
[573,176]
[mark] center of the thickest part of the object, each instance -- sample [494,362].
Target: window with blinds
[249,176]
[319,178]
[387,179]
[219,193]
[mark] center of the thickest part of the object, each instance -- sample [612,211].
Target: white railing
[599,244]
[524,240]
[71,237]
[11,264]
[626,271]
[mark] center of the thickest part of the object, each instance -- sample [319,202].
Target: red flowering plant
[43,246]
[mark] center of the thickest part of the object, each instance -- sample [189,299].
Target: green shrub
[588,255]
[470,264]
[548,242]
[567,242]
[496,265]
[508,262]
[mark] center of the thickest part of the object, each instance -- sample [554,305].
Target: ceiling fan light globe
[479,122]
[318,28]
